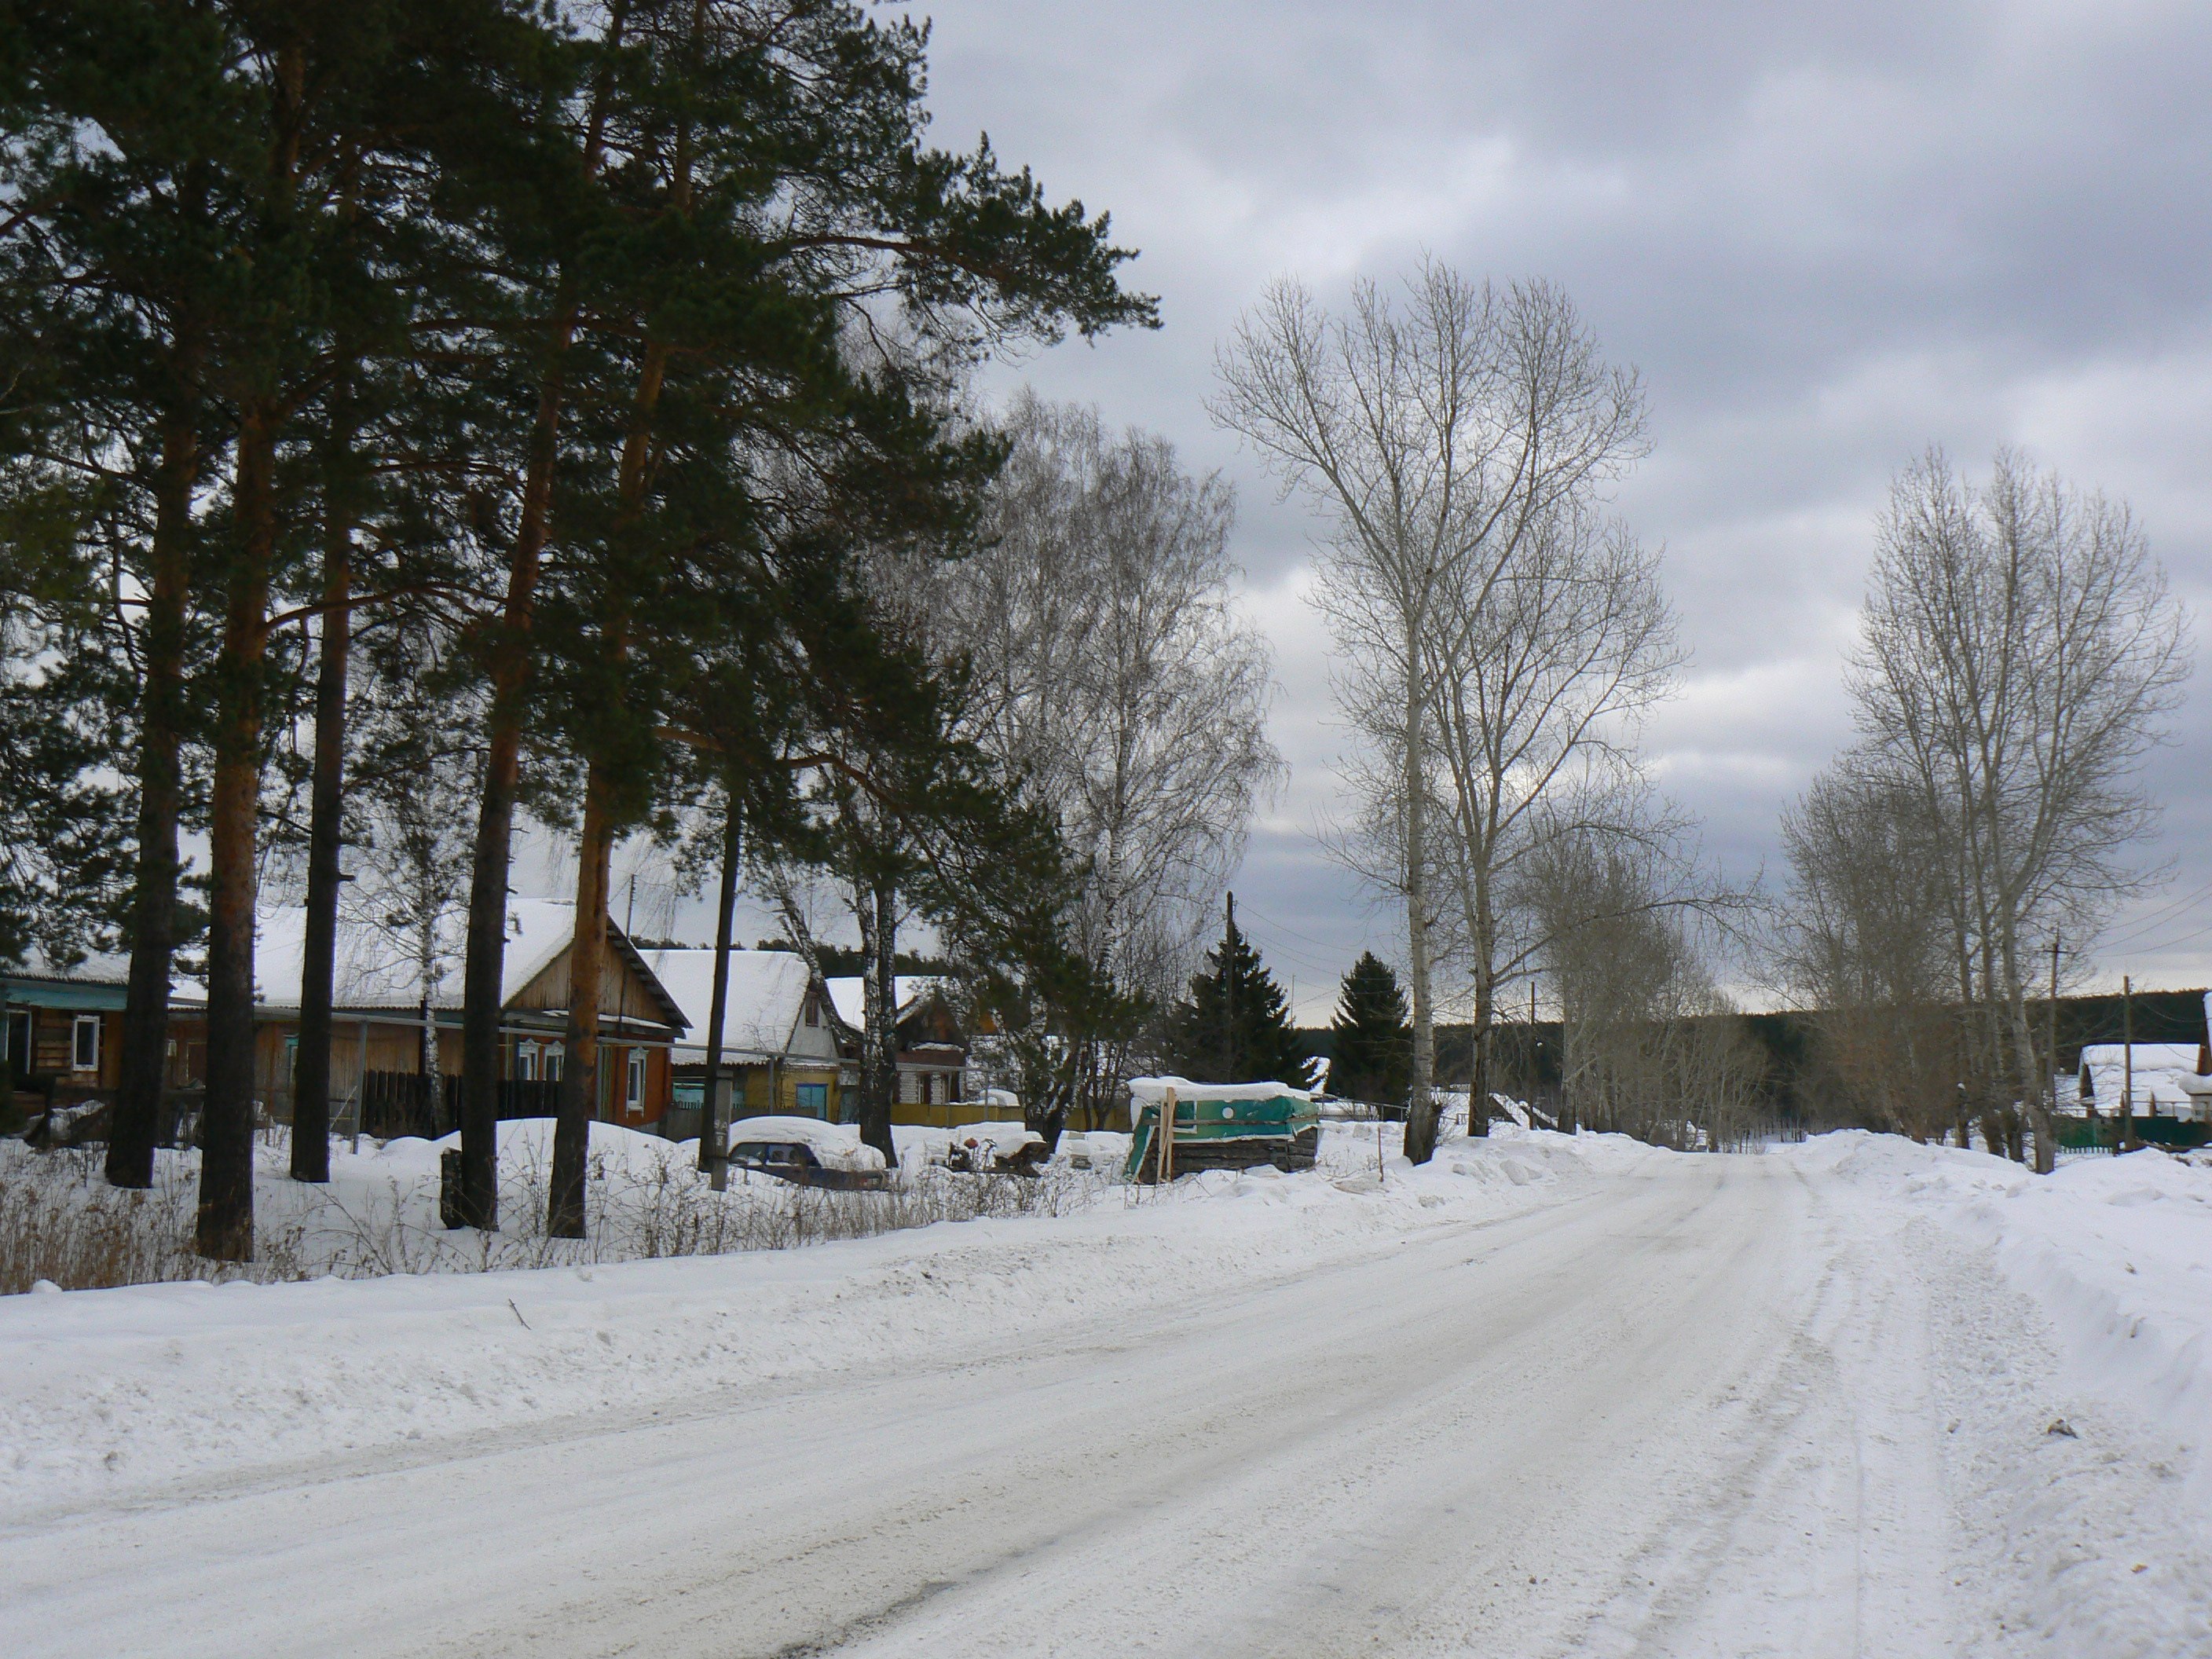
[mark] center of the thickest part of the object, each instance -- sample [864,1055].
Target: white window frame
[78,1028]
[525,1062]
[634,1081]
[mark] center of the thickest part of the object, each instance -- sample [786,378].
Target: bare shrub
[60,1223]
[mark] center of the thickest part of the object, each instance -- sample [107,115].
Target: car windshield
[770,1151]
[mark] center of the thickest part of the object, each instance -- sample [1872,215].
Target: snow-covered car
[806,1151]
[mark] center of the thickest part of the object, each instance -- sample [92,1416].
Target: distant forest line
[1790,1041]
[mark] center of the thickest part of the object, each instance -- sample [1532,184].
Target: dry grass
[61,1222]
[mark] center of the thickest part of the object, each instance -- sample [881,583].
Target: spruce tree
[1235,1025]
[1373,1043]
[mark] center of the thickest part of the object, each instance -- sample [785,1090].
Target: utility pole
[2127,1139]
[1536,1069]
[2050,1023]
[1229,990]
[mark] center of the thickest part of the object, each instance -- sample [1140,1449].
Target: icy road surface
[1692,1406]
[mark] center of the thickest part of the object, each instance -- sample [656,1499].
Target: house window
[633,1101]
[18,1040]
[525,1061]
[812,1098]
[84,1043]
[554,1055]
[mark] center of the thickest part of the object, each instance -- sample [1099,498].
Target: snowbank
[2118,1251]
[145,1387]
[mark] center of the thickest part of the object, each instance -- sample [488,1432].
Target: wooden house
[386,1019]
[61,1030]
[779,1040]
[936,1088]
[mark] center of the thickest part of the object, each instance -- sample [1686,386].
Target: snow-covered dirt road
[1689,1406]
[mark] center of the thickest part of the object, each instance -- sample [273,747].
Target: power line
[1325,943]
[2171,944]
[2154,920]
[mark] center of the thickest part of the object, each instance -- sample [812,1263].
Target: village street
[1720,1405]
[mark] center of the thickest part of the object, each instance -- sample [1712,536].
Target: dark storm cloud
[1827,235]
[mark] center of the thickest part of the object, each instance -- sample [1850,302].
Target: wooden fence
[393,1103]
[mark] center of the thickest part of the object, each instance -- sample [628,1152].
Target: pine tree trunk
[484,971]
[311,1084]
[135,1123]
[225,1205]
[484,975]
[714,1132]
[579,1072]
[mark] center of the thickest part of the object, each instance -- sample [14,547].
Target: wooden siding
[622,992]
[53,1040]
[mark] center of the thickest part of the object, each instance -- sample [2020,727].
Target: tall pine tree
[1235,1025]
[1374,1045]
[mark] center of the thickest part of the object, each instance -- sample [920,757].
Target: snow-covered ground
[1546,1395]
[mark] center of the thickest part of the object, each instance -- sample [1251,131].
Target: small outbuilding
[2157,1079]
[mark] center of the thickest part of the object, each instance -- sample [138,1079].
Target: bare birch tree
[1648,1045]
[2019,653]
[1112,671]
[1866,944]
[1542,676]
[1439,430]
[419,774]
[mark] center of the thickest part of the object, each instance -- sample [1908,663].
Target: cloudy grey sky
[1828,235]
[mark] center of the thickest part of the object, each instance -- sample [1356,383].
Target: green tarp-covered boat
[1217,1126]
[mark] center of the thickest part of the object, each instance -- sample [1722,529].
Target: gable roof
[766,996]
[846,995]
[374,972]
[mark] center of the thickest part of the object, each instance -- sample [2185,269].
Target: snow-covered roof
[845,993]
[374,970]
[1152,1090]
[2163,1073]
[100,968]
[767,997]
